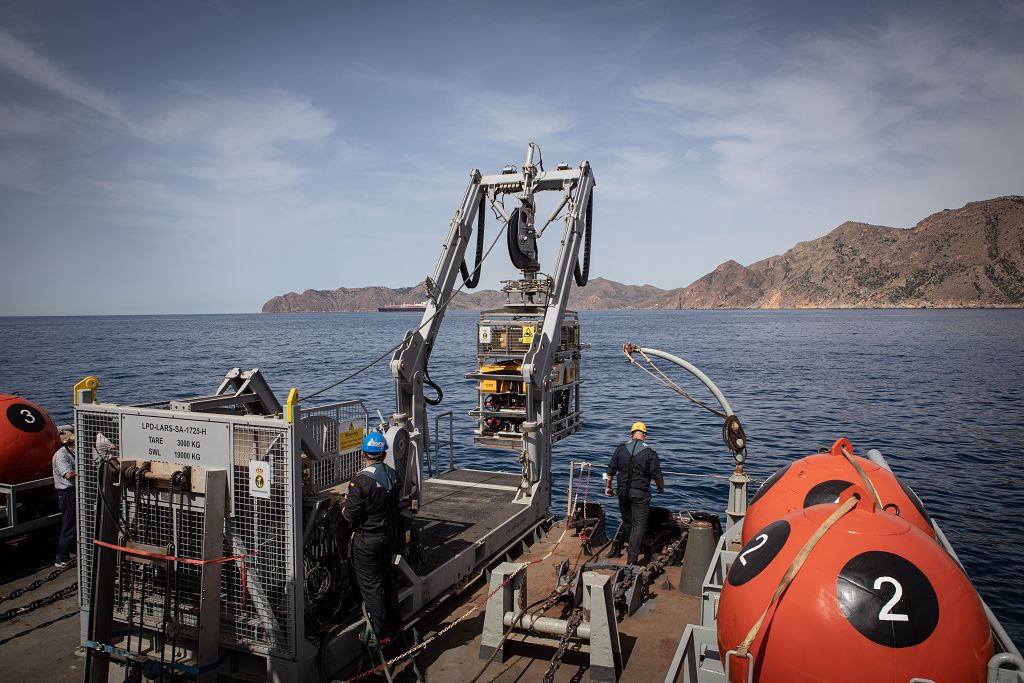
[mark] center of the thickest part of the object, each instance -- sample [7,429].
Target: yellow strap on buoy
[794,567]
[90,383]
[863,475]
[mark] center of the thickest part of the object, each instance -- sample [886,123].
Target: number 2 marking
[886,613]
[762,539]
[29,417]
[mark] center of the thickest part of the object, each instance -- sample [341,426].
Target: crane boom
[408,431]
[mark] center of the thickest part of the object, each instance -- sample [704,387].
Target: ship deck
[458,508]
[648,638]
[41,645]
[461,506]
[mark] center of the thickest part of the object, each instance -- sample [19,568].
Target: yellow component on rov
[494,385]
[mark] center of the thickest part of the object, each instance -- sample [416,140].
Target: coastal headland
[971,257]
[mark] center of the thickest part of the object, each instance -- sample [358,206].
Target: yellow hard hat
[638,427]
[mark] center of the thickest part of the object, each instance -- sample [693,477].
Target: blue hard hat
[375,444]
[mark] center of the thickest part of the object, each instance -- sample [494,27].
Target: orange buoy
[819,479]
[28,440]
[875,600]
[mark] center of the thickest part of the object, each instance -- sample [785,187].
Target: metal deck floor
[648,638]
[461,506]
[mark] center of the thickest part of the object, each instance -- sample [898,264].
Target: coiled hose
[473,280]
[582,277]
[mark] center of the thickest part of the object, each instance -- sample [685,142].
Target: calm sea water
[938,392]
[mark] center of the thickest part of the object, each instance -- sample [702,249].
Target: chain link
[424,643]
[65,592]
[17,593]
[573,623]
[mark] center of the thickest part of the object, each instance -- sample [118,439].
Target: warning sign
[351,439]
[261,476]
[528,332]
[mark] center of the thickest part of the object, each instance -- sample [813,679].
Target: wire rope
[426,322]
[667,382]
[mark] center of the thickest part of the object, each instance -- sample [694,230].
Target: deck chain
[65,592]
[573,623]
[18,592]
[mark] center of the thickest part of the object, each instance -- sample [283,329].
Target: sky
[202,157]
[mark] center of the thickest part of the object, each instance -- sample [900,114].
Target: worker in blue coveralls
[372,509]
[634,464]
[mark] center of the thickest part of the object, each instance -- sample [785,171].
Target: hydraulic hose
[436,401]
[473,280]
[583,277]
[515,252]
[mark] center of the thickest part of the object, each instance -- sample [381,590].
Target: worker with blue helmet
[372,510]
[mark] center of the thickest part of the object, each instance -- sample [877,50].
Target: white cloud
[238,144]
[20,59]
[20,121]
[509,118]
[898,99]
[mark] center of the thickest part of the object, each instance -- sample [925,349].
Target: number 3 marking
[762,539]
[886,614]
[29,417]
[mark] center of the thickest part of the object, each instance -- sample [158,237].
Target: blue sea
[938,392]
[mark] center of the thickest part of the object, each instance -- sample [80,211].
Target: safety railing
[10,524]
[437,444]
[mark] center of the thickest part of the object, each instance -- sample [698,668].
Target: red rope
[186,560]
[471,610]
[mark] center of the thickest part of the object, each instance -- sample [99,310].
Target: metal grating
[501,337]
[338,428]
[261,527]
[174,523]
[87,425]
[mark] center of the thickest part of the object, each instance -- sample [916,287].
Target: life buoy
[876,600]
[820,478]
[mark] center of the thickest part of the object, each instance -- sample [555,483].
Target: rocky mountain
[370,298]
[599,294]
[967,257]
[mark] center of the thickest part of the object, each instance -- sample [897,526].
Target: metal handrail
[437,446]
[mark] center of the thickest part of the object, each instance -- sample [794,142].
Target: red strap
[186,560]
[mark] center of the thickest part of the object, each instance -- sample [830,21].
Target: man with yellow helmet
[634,464]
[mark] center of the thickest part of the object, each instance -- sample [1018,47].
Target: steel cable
[667,382]
[397,346]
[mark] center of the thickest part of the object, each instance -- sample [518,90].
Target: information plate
[182,441]
[351,439]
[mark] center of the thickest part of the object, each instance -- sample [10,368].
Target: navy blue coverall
[372,508]
[634,464]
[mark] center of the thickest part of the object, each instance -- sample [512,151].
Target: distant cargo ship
[404,308]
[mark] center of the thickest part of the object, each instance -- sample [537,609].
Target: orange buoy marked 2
[875,600]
